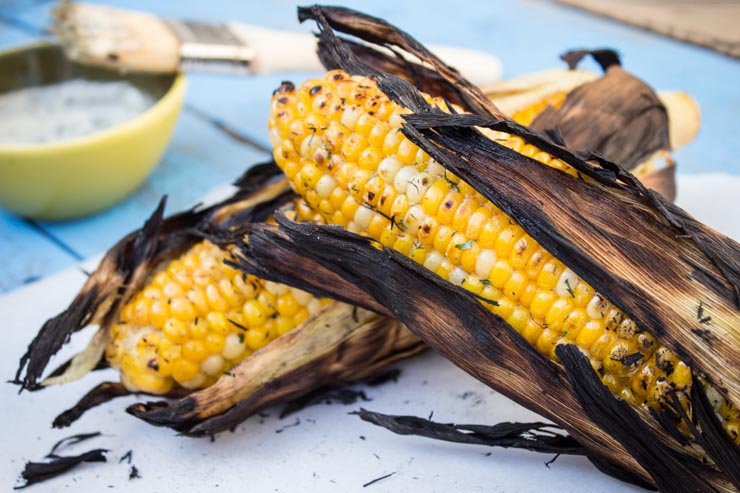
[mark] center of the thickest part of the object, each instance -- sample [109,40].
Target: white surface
[324,452]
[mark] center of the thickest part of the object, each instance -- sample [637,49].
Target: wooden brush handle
[280,51]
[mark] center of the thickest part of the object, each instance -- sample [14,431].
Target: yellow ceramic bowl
[74,177]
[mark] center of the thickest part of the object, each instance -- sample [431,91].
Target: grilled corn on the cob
[339,140]
[196,319]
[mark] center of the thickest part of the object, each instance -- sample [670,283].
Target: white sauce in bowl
[66,110]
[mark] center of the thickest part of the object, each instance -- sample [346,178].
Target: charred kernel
[448,206]
[626,329]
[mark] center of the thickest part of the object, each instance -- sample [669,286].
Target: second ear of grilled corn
[339,140]
[196,319]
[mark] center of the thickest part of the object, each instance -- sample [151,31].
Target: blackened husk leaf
[607,228]
[646,255]
[335,54]
[537,437]
[617,115]
[127,266]
[37,472]
[100,394]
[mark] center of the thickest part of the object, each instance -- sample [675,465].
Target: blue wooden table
[527,35]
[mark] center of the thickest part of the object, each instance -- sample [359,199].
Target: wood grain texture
[709,24]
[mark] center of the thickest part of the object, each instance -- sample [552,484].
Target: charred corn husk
[524,98]
[338,140]
[175,319]
[196,319]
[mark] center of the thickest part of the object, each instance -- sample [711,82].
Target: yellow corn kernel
[476,221]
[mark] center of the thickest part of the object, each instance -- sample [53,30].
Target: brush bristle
[120,39]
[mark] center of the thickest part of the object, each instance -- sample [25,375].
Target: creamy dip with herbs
[69,109]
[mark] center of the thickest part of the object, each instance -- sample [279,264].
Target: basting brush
[140,42]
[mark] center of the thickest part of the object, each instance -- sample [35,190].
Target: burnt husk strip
[608,219]
[617,115]
[100,394]
[455,324]
[37,472]
[713,437]
[537,437]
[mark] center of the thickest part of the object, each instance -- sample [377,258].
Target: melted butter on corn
[196,319]
[339,140]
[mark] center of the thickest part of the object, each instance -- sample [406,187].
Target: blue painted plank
[11,36]
[27,255]
[199,158]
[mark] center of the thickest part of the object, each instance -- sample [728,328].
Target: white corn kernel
[567,284]
[484,263]
[596,308]
[350,115]
[196,382]
[418,186]
[212,365]
[233,346]
[325,186]
[415,215]
[457,276]
[388,168]
[362,218]
[432,260]
[435,169]
[402,178]
[301,297]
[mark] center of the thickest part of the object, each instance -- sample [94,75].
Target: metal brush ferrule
[211,47]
